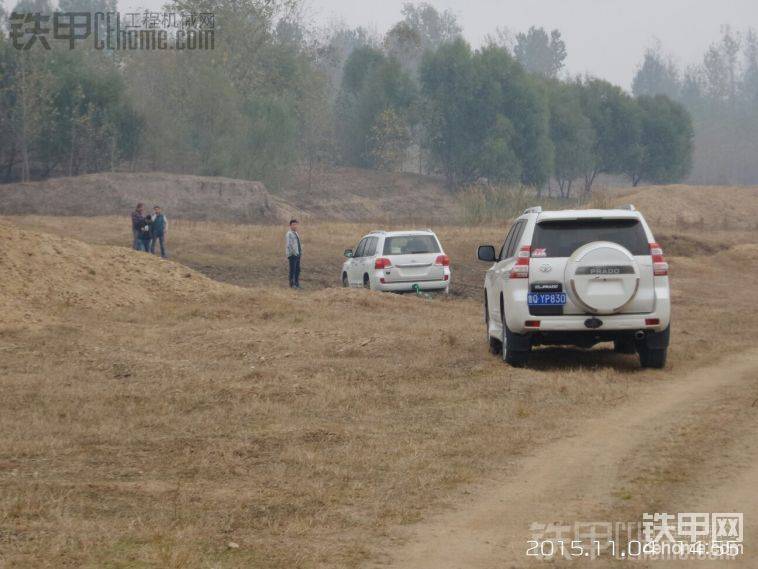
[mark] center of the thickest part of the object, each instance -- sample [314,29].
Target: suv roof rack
[535,209]
[377,231]
[628,207]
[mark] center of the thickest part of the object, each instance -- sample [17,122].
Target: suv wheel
[650,358]
[366,282]
[653,349]
[345,282]
[515,358]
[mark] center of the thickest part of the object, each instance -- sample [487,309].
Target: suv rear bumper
[576,323]
[588,338]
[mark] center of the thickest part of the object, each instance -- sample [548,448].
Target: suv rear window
[410,244]
[560,238]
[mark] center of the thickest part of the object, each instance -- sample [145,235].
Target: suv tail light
[660,266]
[382,263]
[443,260]
[521,269]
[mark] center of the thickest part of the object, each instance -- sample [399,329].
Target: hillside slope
[695,207]
[355,194]
[345,194]
[115,193]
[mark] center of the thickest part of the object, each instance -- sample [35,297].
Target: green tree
[498,159]
[271,133]
[505,89]
[615,118]
[434,28]
[485,116]
[572,135]
[390,140]
[656,76]
[352,129]
[665,141]
[749,84]
[252,108]
[62,111]
[540,53]
[447,79]
[371,84]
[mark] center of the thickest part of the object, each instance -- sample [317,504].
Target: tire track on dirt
[566,480]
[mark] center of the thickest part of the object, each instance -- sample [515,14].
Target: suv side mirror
[348,253]
[486,253]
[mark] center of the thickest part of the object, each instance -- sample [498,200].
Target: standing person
[145,234]
[138,221]
[293,250]
[158,230]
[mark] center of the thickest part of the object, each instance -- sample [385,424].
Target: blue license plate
[546,298]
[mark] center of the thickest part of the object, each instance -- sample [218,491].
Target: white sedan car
[397,261]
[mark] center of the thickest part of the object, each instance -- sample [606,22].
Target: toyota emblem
[545,268]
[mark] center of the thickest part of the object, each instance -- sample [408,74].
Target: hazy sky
[604,37]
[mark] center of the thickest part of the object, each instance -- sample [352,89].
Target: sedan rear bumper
[409,286]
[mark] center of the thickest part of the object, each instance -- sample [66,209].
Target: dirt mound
[345,194]
[41,275]
[355,194]
[696,207]
[677,245]
[744,252]
[191,197]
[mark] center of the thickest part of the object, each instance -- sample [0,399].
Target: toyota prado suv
[578,277]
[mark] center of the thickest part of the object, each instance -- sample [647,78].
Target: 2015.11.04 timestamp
[573,549]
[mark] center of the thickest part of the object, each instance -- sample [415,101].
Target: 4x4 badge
[546,268]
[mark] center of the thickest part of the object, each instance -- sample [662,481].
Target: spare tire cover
[602,277]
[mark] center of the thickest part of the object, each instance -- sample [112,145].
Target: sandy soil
[155,417]
[575,478]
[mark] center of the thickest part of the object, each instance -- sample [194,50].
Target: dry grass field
[155,417]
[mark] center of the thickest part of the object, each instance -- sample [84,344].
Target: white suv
[398,261]
[578,277]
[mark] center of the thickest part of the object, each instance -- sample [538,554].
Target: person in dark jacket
[138,222]
[158,231]
[146,234]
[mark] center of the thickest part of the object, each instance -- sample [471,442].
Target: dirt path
[574,478]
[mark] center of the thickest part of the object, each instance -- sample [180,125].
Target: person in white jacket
[293,250]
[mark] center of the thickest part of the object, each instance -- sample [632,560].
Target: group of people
[149,230]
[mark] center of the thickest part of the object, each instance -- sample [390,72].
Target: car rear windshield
[560,238]
[410,245]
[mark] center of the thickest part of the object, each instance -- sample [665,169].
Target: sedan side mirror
[486,253]
[348,253]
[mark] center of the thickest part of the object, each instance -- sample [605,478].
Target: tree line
[721,95]
[275,95]
[500,113]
